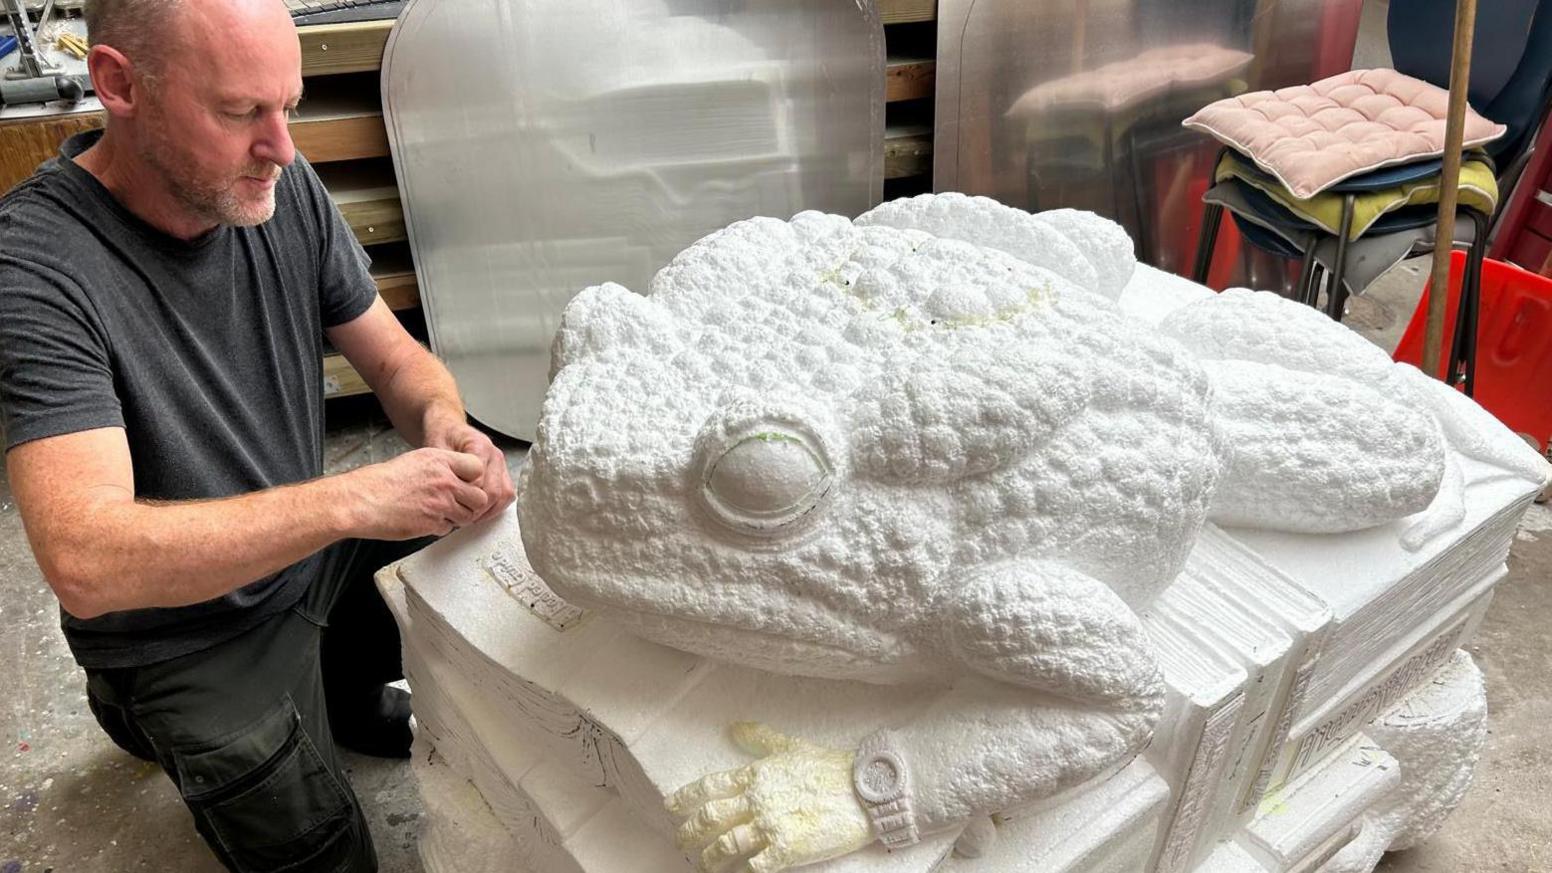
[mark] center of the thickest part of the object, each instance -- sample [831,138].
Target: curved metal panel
[1078,103]
[544,146]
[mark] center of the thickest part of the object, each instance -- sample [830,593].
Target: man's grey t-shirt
[208,353]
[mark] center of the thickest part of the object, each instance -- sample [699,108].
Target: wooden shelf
[322,134]
[375,215]
[399,290]
[907,11]
[394,272]
[27,142]
[367,197]
[331,49]
[907,151]
[909,79]
[340,379]
[340,139]
[340,119]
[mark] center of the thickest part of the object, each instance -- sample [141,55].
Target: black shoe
[378,726]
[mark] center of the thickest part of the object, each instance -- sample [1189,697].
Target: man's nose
[274,143]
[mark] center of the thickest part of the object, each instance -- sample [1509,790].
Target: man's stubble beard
[213,200]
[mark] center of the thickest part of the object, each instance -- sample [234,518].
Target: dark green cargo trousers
[243,728]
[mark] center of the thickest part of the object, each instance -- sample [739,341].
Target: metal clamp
[32,64]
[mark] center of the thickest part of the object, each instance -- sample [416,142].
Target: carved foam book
[1203,704]
[1262,650]
[1237,575]
[1377,589]
[1412,659]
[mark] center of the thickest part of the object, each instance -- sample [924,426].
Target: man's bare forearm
[125,554]
[421,398]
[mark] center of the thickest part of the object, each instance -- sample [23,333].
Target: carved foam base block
[458,833]
[1436,734]
[572,732]
[1318,817]
[550,766]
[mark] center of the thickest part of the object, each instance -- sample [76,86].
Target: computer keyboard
[343,11]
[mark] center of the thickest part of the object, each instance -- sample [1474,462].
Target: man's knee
[266,800]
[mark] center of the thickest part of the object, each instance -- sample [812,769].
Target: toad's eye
[764,478]
[768,474]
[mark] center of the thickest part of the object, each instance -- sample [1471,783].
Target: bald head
[153,34]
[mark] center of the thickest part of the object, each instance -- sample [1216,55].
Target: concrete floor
[71,801]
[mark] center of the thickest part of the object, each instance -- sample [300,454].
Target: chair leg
[1212,216]
[1110,164]
[1481,224]
[1139,198]
[1317,281]
[1454,373]
[1305,290]
[1336,297]
[1461,368]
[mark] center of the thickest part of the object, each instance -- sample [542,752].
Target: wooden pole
[1449,184]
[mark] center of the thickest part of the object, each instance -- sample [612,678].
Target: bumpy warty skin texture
[903,408]
[950,406]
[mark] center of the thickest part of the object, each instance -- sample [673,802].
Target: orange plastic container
[1514,344]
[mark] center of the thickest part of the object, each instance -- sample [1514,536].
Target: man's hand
[420,398]
[421,493]
[494,480]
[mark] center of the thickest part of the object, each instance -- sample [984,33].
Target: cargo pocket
[266,797]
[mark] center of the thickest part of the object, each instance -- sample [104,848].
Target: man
[165,287]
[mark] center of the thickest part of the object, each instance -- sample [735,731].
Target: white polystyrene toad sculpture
[926,447]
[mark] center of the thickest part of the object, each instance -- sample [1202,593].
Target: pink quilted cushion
[1313,136]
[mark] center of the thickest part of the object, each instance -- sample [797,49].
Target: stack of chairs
[1349,232]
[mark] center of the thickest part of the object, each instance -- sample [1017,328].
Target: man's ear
[119,86]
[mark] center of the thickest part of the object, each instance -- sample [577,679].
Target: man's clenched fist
[495,481]
[426,492]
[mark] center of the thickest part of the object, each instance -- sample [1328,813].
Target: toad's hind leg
[1317,435]
[1263,328]
[1060,687]
[1317,454]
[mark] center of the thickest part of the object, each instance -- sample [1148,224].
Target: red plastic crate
[1514,344]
